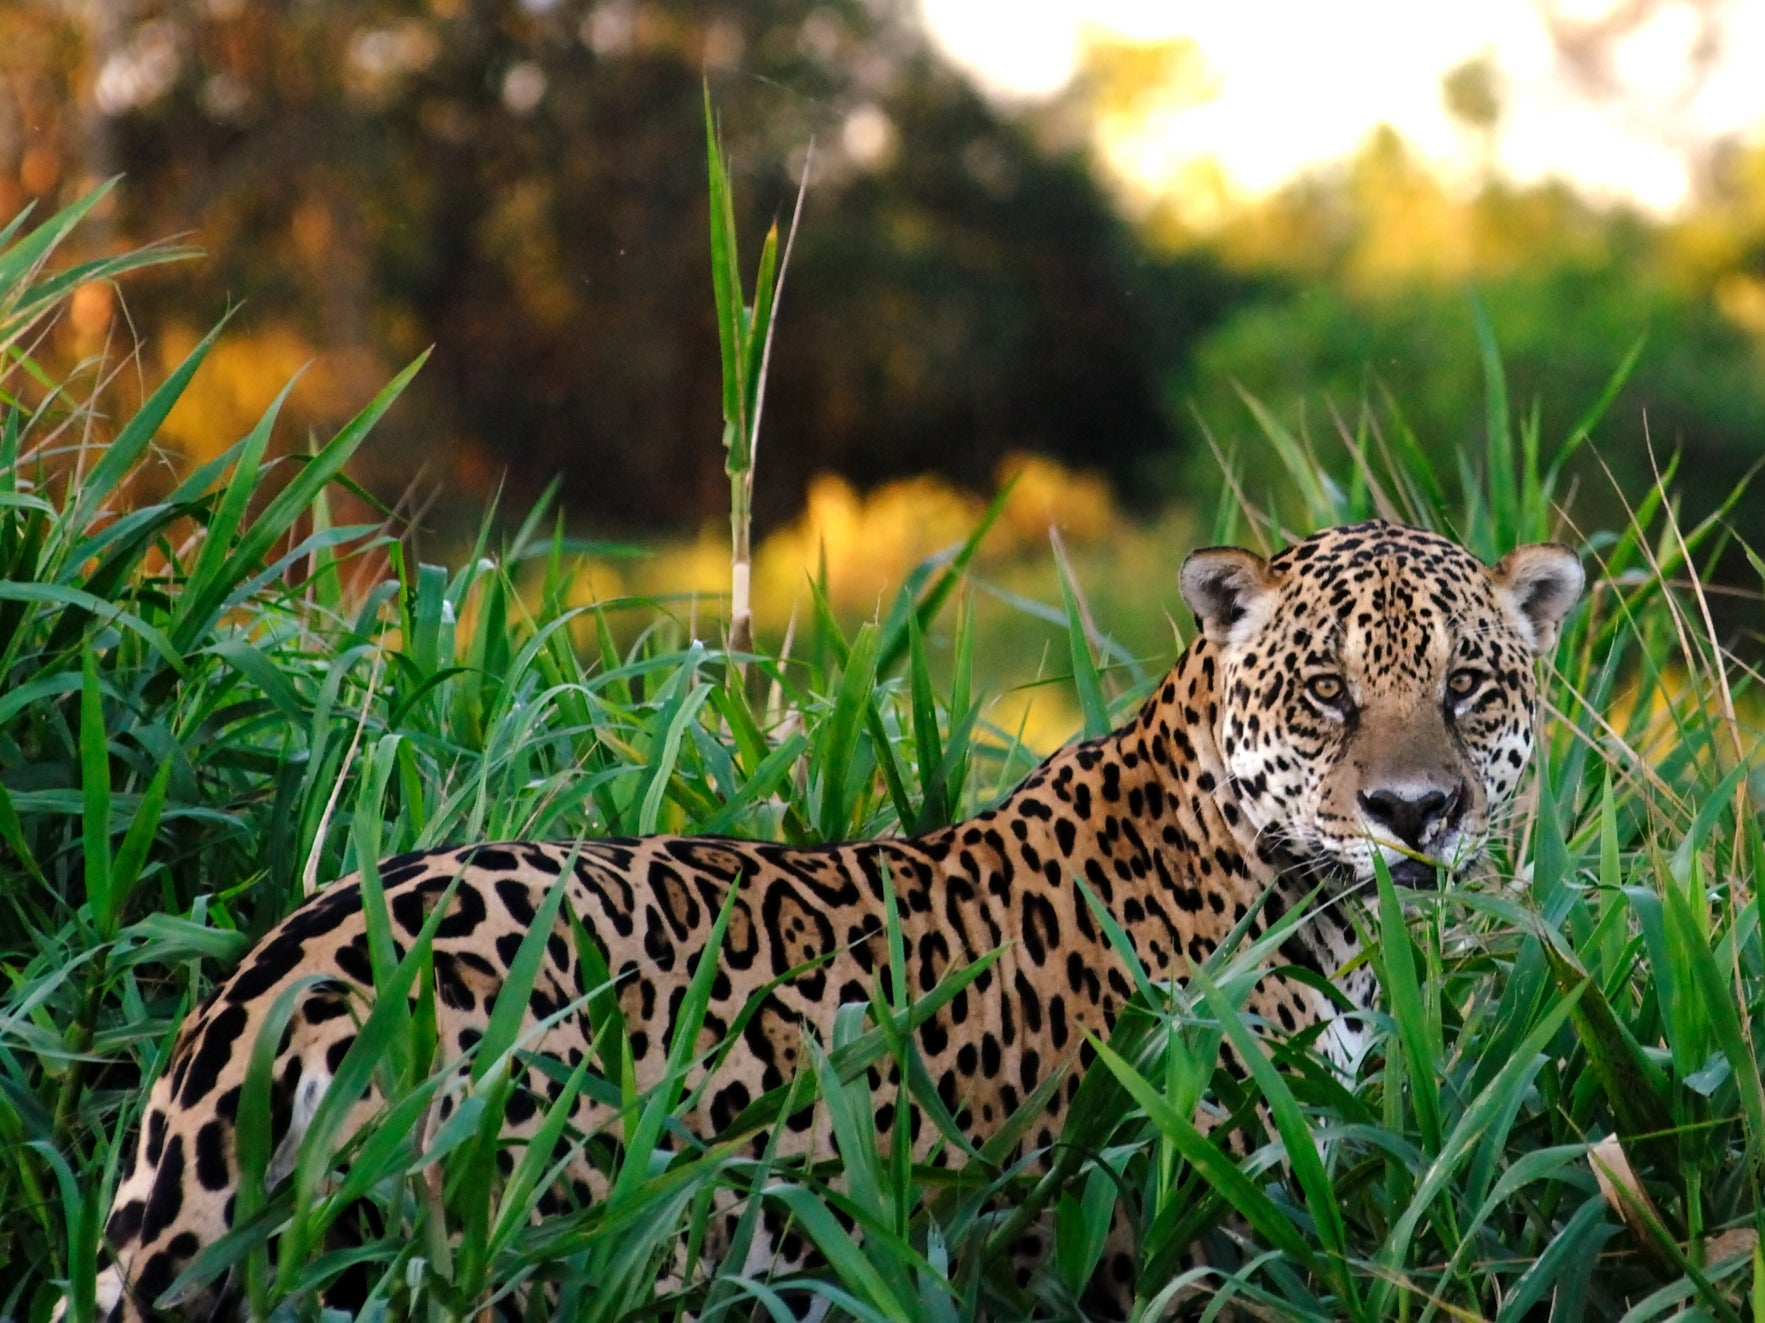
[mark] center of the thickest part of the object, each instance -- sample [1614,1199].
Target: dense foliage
[213,697]
[517,185]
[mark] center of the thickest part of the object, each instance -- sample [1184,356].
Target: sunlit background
[1627,102]
[1060,240]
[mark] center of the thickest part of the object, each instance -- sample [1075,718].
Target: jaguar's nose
[1411,813]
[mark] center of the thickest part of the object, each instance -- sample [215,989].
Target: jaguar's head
[1375,690]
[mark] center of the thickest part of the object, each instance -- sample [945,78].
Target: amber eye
[1463,683]
[1327,689]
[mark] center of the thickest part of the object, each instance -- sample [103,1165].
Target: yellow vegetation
[244,371]
[870,542]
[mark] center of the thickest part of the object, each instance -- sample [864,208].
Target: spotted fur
[1367,692]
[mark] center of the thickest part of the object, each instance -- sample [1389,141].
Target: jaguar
[1367,694]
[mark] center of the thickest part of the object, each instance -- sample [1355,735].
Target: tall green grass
[214,698]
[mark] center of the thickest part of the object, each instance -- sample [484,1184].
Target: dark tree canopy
[523,184]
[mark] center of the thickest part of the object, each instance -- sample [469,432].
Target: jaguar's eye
[1327,689]
[1463,682]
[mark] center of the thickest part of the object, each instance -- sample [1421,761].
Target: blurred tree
[1472,93]
[1131,97]
[521,182]
[1136,81]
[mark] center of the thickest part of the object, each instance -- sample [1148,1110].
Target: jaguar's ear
[1537,584]
[1230,591]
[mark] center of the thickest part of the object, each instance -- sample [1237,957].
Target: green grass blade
[200,608]
[1578,1243]
[1322,498]
[934,808]
[229,515]
[1713,989]
[13,833]
[1086,681]
[252,1136]
[666,752]
[926,607]
[682,1048]
[374,1041]
[1633,1085]
[758,325]
[95,799]
[1219,1171]
[837,748]
[1477,1115]
[843,1254]
[726,286]
[123,453]
[1301,1149]
[1499,472]
[1397,975]
[516,993]
[131,855]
